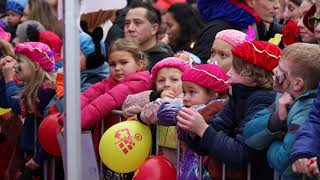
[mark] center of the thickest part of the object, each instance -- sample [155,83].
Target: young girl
[201,84]
[167,86]
[221,48]
[34,67]
[127,62]
[251,79]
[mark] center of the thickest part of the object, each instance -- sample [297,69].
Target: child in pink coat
[127,76]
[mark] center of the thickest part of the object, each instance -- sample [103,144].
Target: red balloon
[47,134]
[156,168]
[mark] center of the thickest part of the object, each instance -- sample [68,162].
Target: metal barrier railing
[118,176]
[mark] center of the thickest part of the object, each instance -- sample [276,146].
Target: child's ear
[299,84]
[140,64]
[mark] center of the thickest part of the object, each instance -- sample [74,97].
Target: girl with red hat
[166,79]
[201,84]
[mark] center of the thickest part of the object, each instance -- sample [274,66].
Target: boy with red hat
[222,139]
[274,128]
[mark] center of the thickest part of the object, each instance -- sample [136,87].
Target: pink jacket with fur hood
[101,98]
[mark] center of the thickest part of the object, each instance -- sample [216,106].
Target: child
[221,48]
[166,79]
[201,84]
[251,79]
[34,67]
[127,62]
[14,9]
[274,128]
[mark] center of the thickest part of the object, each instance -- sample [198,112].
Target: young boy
[274,128]
[251,80]
[14,10]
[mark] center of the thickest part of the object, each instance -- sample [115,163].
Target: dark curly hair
[190,23]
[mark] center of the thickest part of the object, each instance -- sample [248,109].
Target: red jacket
[101,98]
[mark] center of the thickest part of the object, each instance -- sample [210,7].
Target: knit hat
[39,53]
[5,35]
[165,4]
[209,76]
[170,62]
[86,44]
[260,53]
[22,32]
[231,36]
[16,6]
[53,41]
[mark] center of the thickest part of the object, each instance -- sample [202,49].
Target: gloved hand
[167,114]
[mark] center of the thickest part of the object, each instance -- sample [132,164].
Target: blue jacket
[28,139]
[224,140]
[265,130]
[92,76]
[307,144]
[223,9]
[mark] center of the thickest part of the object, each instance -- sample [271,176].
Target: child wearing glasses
[274,128]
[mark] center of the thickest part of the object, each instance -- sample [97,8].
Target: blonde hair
[260,76]
[39,75]
[131,46]
[305,61]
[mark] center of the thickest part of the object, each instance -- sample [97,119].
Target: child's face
[169,79]
[13,18]
[282,77]
[235,77]
[194,94]
[221,54]
[122,63]
[23,70]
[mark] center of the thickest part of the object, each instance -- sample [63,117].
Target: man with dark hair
[143,24]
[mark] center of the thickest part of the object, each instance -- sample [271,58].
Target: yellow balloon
[4,111]
[125,146]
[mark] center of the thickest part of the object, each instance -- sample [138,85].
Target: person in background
[183,32]
[143,23]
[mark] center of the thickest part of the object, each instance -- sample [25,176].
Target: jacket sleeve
[134,103]
[307,142]
[96,103]
[13,96]
[149,112]
[225,10]
[278,154]
[218,141]
[256,132]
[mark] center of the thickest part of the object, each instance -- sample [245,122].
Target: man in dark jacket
[143,23]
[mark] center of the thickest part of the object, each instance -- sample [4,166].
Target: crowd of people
[233,83]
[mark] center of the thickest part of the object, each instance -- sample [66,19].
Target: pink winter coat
[100,99]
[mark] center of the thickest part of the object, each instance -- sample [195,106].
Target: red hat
[165,4]
[53,41]
[260,53]
[169,62]
[209,76]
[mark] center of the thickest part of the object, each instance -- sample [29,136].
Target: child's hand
[300,165]
[191,121]
[313,168]
[168,93]
[284,101]
[8,71]
[31,164]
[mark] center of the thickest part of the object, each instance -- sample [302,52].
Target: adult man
[143,24]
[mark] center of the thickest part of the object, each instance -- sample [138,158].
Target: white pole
[72,89]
